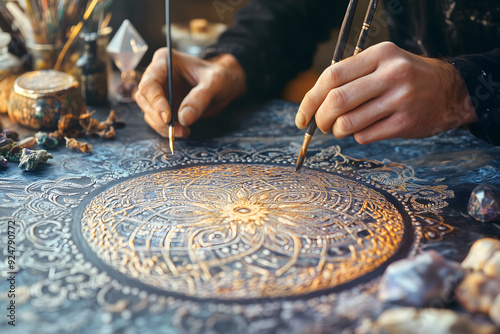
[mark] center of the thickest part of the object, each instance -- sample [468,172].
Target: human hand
[200,88]
[385,92]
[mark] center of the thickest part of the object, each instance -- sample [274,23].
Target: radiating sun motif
[239,231]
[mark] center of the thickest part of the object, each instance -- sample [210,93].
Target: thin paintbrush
[366,25]
[33,16]
[61,10]
[339,52]
[74,33]
[171,132]
[22,20]
[337,56]
[105,21]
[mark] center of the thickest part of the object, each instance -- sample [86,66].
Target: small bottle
[9,64]
[92,73]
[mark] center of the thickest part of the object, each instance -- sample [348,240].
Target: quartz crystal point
[127,47]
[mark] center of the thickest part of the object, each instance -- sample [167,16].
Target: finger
[386,128]
[347,97]
[152,83]
[361,117]
[334,76]
[162,129]
[181,131]
[147,108]
[143,104]
[153,92]
[196,103]
[154,121]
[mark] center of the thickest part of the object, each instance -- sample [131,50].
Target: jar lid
[38,83]
[4,39]
[198,26]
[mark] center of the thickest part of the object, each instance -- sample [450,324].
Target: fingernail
[164,117]
[300,120]
[187,116]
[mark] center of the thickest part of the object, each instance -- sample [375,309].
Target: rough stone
[30,159]
[495,311]
[477,292]
[480,253]
[492,266]
[425,280]
[436,321]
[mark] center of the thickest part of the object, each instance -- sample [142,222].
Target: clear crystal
[127,47]
[484,203]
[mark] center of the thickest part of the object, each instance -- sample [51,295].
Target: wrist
[458,107]
[462,102]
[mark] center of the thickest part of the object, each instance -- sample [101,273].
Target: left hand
[385,92]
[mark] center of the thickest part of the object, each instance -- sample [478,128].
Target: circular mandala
[244,231]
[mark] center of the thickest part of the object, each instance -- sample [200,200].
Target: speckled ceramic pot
[40,98]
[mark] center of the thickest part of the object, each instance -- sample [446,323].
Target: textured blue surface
[62,294]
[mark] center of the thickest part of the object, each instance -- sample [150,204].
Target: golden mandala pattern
[243,231]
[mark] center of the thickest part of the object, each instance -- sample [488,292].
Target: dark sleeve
[481,73]
[274,40]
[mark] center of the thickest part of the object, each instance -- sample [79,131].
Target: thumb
[195,104]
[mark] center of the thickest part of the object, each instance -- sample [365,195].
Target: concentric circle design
[243,231]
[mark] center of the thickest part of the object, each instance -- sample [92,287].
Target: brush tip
[300,161]
[171,136]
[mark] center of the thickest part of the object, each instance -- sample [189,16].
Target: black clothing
[275,39]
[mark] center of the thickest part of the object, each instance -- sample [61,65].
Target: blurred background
[149,16]
[196,23]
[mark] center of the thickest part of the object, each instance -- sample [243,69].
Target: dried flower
[114,121]
[69,126]
[75,144]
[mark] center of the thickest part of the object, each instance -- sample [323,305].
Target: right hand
[201,88]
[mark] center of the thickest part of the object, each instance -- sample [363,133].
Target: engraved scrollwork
[48,294]
[227,222]
[201,228]
[429,198]
[59,193]
[43,260]
[47,234]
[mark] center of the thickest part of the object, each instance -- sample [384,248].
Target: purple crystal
[484,203]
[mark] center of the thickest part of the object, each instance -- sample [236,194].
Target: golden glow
[243,231]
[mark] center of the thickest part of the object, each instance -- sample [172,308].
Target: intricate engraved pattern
[62,287]
[241,230]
